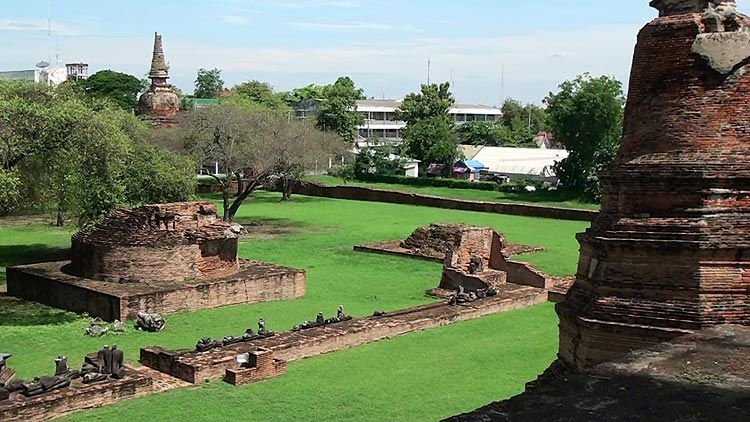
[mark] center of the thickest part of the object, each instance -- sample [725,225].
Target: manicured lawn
[562,199]
[425,376]
[421,376]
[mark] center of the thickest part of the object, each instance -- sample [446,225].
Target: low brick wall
[48,283]
[196,367]
[74,398]
[378,195]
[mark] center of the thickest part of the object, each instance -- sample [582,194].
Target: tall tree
[309,92]
[586,117]
[338,112]
[429,131]
[256,94]
[120,88]
[208,83]
[251,146]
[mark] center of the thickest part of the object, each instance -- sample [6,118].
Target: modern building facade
[51,75]
[380,118]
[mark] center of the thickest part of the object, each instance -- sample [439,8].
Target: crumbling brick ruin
[165,242]
[670,251]
[162,258]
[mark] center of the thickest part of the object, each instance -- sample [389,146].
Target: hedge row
[428,181]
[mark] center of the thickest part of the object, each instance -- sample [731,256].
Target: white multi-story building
[380,121]
[52,75]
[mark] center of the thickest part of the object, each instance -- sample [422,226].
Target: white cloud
[35,25]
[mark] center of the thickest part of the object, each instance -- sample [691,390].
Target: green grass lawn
[491,357]
[562,199]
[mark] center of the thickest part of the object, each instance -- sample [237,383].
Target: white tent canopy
[519,162]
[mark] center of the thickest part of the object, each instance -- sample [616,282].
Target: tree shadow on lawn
[18,312]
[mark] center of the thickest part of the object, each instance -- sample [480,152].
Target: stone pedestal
[670,251]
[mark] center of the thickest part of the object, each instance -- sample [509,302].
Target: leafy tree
[34,118]
[251,146]
[208,83]
[339,110]
[379,160]
[482,133]
[586,116]
[10,190]
[256,95]
[428,135]
[309,92]
[72,153]
[120,88]
[153,175]
[433,101]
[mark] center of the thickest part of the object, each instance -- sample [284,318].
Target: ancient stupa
[159,104]
[670,252]
[161,258]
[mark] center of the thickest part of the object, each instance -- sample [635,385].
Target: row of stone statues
[320,320]
[462,297]
[206,343]
[109,363]
[144,322]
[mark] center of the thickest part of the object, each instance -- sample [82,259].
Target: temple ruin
[159,104]
[161,258]
[670,252]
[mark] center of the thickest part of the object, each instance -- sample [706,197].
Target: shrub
[10,191]
[428,181]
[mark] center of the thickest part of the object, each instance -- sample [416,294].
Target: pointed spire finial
[158,63]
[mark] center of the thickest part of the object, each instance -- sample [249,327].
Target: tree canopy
[256,94]
[586,116]
[208,83]
[429,135]
[254,145]
[58,149]
[338,112]
[120,88]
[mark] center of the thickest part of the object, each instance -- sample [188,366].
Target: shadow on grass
[19,312]
[264,197]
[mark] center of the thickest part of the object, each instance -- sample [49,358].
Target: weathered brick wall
[670,250]
[393,197]
[196,367]
[262,366]
[154,243]
[76,397]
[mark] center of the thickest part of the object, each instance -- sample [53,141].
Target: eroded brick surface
[669,251]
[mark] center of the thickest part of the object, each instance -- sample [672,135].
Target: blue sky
[382,44]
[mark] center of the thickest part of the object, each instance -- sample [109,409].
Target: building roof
[521,161]
[392,105]
[470,150]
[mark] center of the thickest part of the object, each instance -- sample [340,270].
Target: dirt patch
[271,229]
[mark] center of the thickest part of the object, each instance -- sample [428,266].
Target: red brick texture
[48,283]
[74,398]
[393,197]
[156,243]
[670,250]
[195,367]
[262,367]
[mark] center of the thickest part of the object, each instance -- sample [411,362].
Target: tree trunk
[60,218]
[286,189]
[239,185]
[231,211]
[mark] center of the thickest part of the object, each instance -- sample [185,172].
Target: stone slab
[48,283]
[197,367]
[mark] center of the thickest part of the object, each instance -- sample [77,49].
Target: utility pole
[429,64]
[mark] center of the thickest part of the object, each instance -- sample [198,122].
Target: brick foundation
[48,283]
[262,366]
[77,397]
[196,367]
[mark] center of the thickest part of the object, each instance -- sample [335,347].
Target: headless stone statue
[340,314]
[61,365]
[320,319]
[117,362]
[105,360]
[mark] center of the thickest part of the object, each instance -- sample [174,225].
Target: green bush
[10,191]
[428,181]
